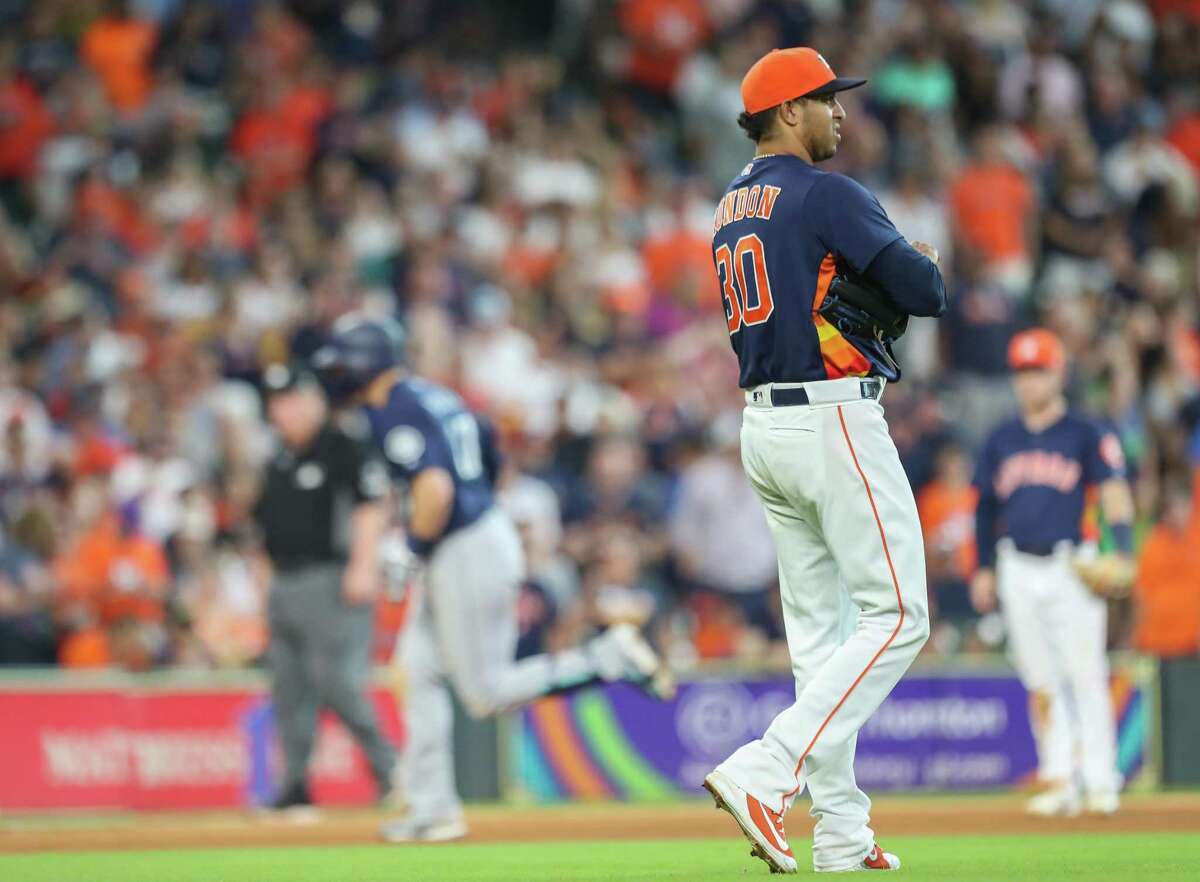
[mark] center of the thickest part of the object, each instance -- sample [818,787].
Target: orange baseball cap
[1036,348]
[784,74]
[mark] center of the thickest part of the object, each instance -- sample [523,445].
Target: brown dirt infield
[891,816]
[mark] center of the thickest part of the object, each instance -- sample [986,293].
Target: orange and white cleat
[879,859]
[763,827]
[876,859]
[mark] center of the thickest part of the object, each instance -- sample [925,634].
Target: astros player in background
[464,628]
[816,448]
[1033,477]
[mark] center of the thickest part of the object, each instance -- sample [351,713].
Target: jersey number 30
[744,304]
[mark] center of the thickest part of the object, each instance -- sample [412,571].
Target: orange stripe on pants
[899,623]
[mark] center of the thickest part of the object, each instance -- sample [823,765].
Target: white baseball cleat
[624,654]
[1105,803]
[416,830]
[763,827]
[1060,802]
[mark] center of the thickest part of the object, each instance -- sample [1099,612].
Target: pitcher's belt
[816,392]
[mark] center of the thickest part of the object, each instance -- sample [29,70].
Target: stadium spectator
[662,34]
[25,124]
[946,506]
[26,624]
[917,76]
[1167,590]
[186,200]
[992,205]
[1039,81]
[716,510]
[119,47]
[112,582]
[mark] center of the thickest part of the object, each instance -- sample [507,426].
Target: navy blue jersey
[1035,483]
[426,426]
[781,232]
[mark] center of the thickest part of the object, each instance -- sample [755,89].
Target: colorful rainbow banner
[938,732]
[574,747]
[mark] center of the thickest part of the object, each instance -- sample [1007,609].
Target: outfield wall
[161,742]
[944,727]
[203,739]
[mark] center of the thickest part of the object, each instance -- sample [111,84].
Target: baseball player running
[813,276]
[1033,479]
[465,626]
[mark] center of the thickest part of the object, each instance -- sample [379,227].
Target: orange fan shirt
[1168,592]
[990,204]
[119,51]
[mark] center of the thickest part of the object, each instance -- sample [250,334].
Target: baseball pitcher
[1033,476]
[817,283]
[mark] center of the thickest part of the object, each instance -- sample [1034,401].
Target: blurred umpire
[322,512]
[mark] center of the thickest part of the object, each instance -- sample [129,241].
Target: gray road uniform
[464,625]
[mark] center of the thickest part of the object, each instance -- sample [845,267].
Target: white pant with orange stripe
[852,579]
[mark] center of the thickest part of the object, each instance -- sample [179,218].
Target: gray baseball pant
[320,656]
[464,629]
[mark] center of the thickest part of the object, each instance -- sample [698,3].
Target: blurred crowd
[192,191]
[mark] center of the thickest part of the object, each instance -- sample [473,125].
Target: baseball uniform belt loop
[818,392]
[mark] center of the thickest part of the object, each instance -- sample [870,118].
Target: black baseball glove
[866,316]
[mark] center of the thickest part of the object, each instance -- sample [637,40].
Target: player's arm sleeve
[416,448]
[414,443]
[987,510]
[910,278]
[849,220]
[853,225]
[1104,465]
[1103,458]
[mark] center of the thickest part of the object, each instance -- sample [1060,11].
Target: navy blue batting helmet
[358,350]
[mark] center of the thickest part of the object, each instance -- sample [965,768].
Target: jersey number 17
[462,434]
[741,308]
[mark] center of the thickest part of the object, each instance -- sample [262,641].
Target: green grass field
[1162,857]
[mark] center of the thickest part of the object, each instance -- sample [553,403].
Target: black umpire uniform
[320,647]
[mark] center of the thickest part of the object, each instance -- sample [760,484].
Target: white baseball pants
[852,579]
[1057,631]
